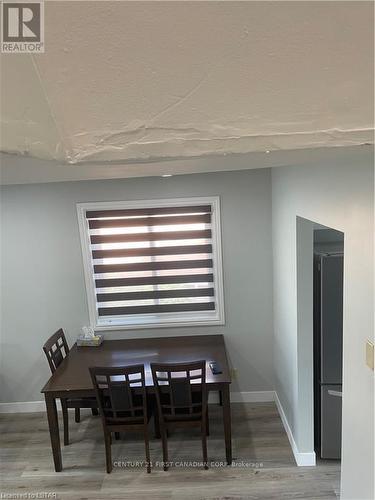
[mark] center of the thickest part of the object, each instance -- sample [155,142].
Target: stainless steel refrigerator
[328,320]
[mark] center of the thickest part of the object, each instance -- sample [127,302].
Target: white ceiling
[16,169]
[129,82]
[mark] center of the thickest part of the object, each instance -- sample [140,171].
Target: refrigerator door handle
[335,393]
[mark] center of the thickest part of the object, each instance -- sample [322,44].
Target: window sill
[165,324]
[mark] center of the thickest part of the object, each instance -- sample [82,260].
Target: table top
[73,373]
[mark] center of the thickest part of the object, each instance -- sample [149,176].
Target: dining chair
[56,349]
[123,405]
[181,398]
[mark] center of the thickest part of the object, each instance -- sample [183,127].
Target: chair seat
[89,402]
[184,417]
[125,421]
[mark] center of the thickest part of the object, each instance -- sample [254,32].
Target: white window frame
[145,321]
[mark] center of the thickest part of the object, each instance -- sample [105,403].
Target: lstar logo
[22,27]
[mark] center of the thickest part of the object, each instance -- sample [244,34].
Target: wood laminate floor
[264,467]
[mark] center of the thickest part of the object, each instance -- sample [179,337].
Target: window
[152,263]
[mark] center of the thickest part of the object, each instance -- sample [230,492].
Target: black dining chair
[123,405]
[181,398]
[56,349]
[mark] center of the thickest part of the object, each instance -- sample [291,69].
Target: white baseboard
[235,397]
[302,459]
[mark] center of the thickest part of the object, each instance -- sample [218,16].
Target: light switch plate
[370,354]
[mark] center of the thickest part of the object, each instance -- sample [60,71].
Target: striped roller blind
[152,260]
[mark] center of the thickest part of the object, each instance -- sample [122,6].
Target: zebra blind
[152,261]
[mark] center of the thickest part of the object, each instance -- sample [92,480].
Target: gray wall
[339,196]
[43,284]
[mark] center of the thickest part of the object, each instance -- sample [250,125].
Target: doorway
[312,238]
[328,272]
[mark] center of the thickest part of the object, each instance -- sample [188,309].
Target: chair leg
[204,445]
[147,448]
[117,436]
[65,414]
[77,415]
[156,425]
[108,454]
[165,446]
[95,412]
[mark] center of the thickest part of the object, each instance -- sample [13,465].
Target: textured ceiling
[137,81]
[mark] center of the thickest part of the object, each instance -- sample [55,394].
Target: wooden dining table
[72,378]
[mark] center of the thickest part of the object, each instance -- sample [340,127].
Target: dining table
[72,378]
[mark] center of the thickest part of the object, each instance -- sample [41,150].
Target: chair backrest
[56,349]
[121,393]
[180,389]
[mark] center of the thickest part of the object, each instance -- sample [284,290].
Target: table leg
[227,423]
[220,398]
[53,424]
